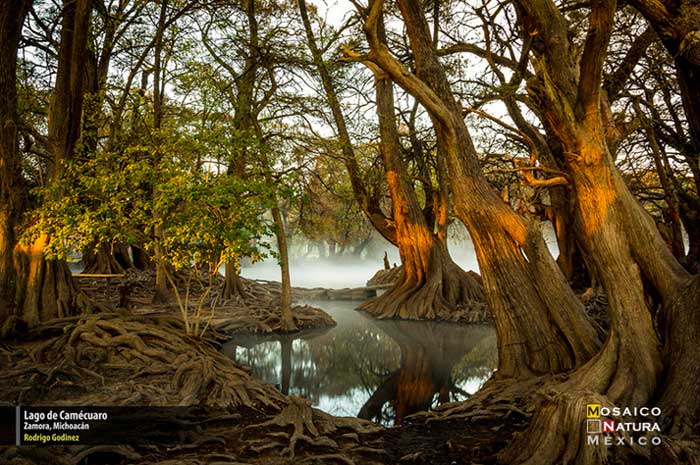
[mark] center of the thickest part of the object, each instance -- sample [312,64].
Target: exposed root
[677,452]
[450,295]
[114,360]
[259,312]
[558,434]
[496,400]
[266,319]
[300,424]
[299,416]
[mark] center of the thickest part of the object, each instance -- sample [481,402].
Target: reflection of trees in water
[337,363]
[477,364]
[334,363]
[263,357]
[429,353]
[435,363]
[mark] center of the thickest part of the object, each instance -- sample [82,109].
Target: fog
[351,271]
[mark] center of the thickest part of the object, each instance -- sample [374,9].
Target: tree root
[265,317]
[114,360]
[301,424]
[452,295]
[258,312]
[299,416]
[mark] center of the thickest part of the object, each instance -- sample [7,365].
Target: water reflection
[379,370]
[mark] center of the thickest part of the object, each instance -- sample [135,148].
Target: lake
[381,370]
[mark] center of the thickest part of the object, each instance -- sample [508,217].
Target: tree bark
[162,291]
[12,189]
[49,290]
[679,400]
[109,259]
[233,285]
[624,247]
[541,325]
[431,285]
[287,322]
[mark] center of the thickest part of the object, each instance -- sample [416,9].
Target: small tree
[204,219]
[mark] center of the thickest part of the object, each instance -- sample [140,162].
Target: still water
[380,370]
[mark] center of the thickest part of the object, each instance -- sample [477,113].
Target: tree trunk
[622,243]
[107,260]
[679,401]
[163,293]
[671,215]
[46,288]
[287,322]
[233,285]
[431,286]
[49,290]
[676,24]
[142,261]
[540,323]
[12,190]
[370,206]
[561,215]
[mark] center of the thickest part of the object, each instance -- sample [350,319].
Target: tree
[12,14]
[110,24]
[624,245]
[521,279]
[369,204]
[47,289]
[431,285]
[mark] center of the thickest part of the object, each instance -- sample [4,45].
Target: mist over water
[352,271]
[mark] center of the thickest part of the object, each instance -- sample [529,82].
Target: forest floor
[142,356]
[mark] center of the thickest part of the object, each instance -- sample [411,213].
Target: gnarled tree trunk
[541,325]
[431,285]
[624,247]
[48,289]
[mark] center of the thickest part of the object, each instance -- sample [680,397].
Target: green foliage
[203,217]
